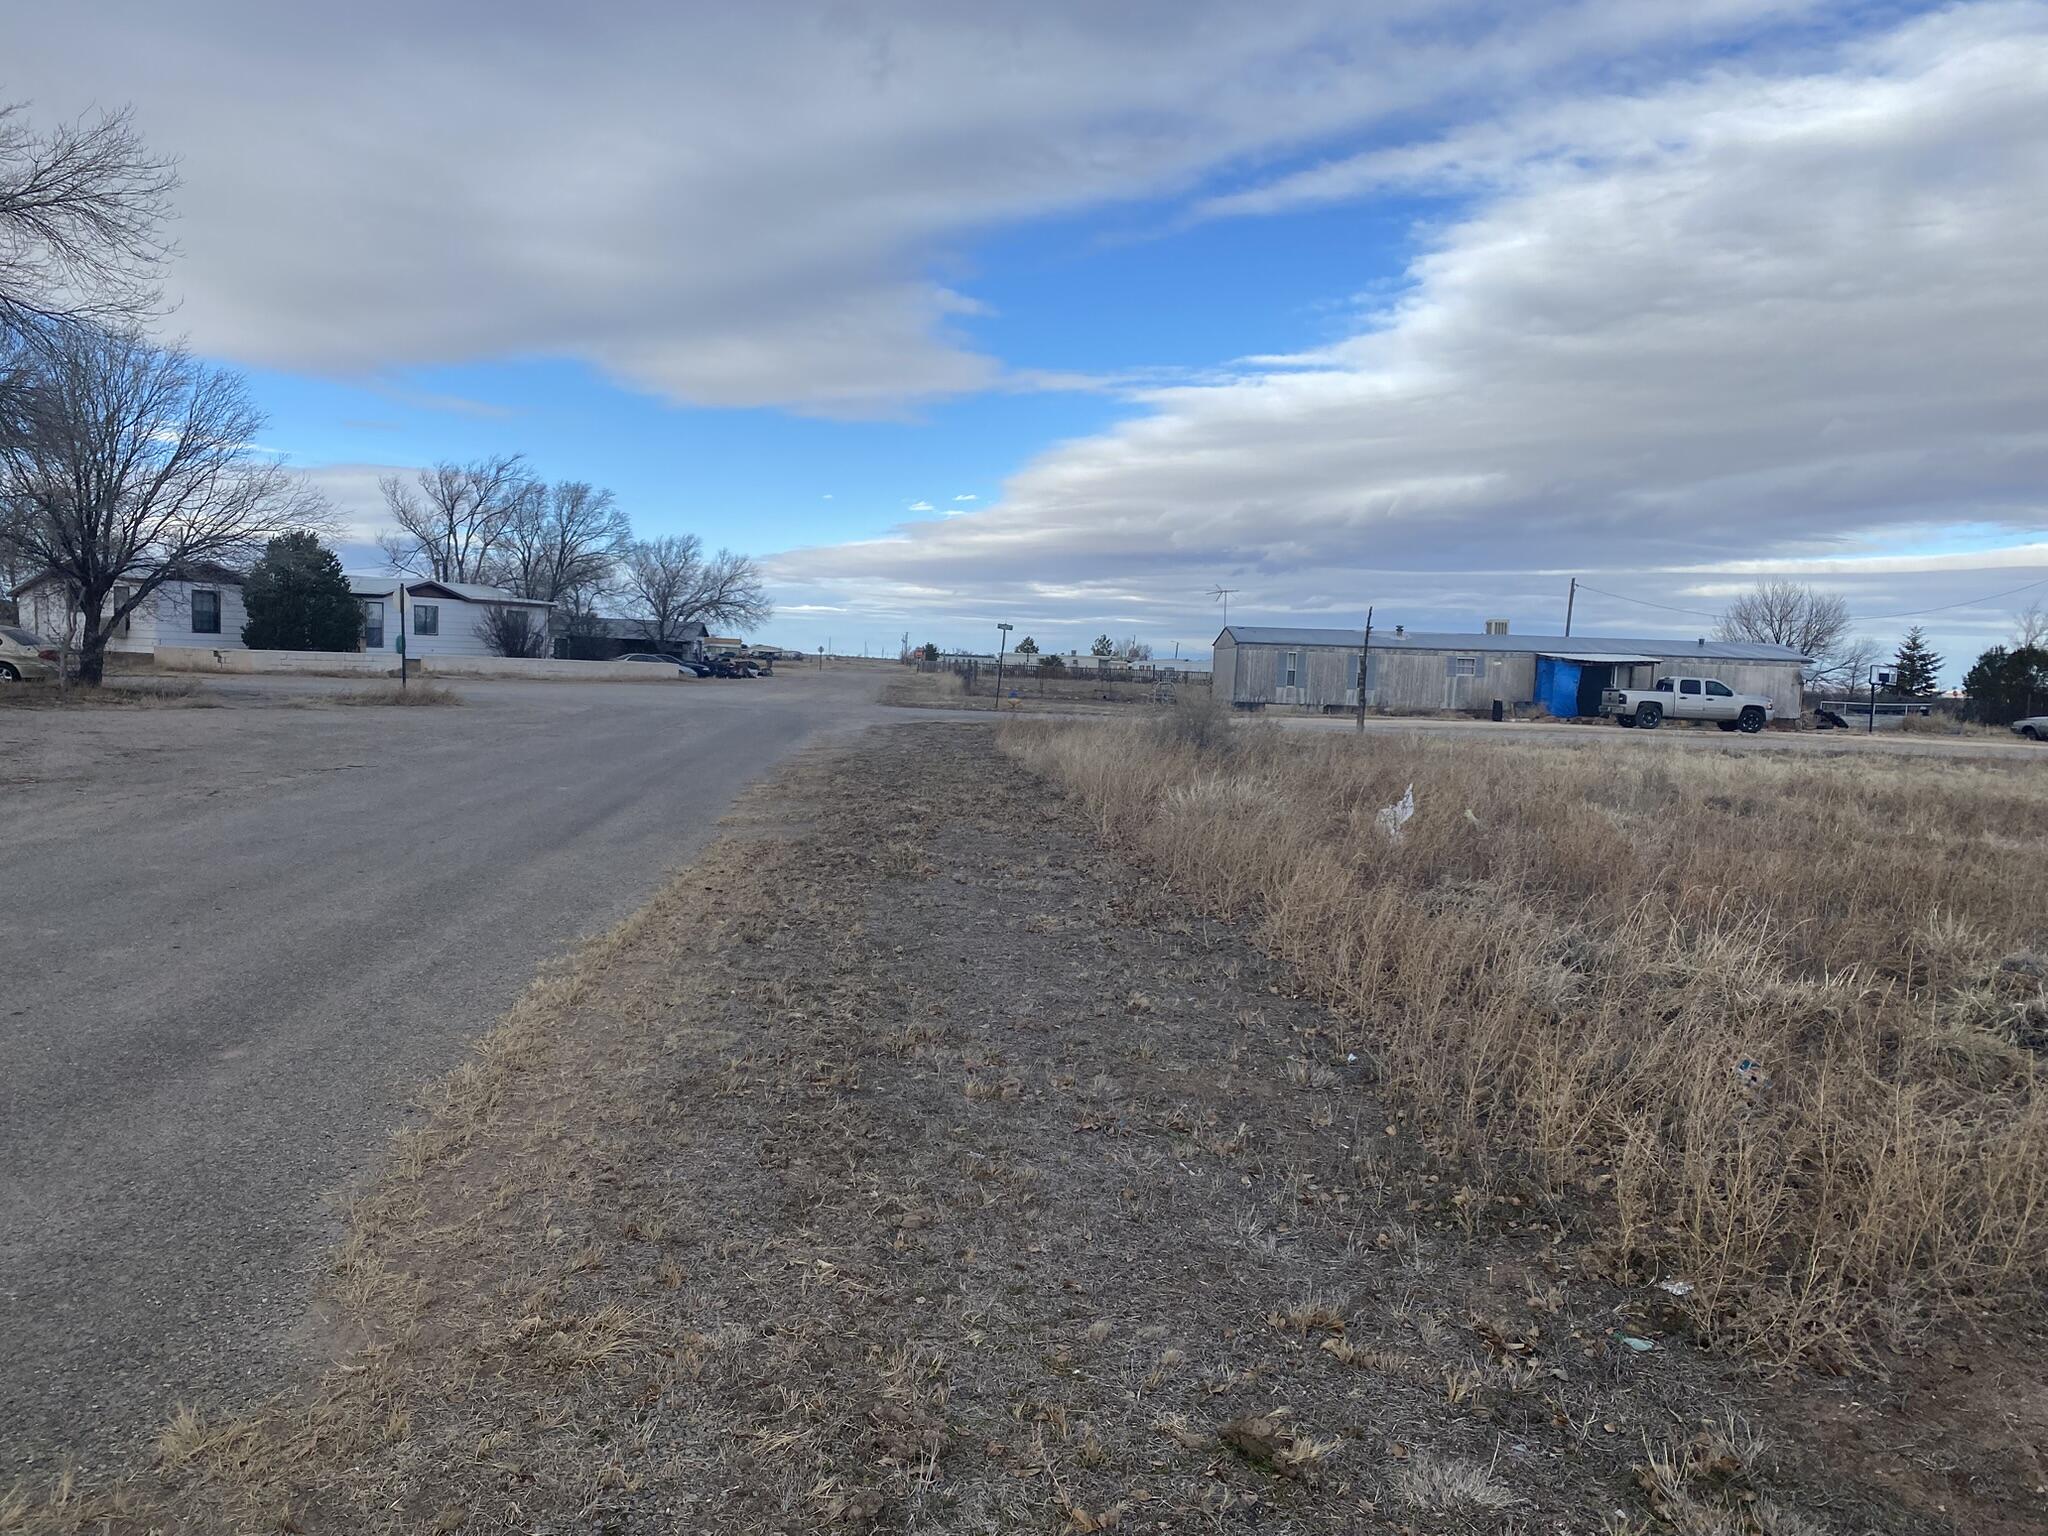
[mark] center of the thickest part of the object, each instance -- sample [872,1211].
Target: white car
[2034,727]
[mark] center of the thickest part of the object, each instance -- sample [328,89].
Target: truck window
[1689,685]
[1663,685]
[1719,690]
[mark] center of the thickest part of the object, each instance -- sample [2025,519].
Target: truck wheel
[1649,716]
[1752,720]
[1625,720]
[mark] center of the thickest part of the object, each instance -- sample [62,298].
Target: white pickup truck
[1687,698]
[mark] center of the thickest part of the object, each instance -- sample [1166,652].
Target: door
[1691,699]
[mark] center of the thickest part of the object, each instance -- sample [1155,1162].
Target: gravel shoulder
[952,1176]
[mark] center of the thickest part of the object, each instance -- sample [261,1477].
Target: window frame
[1293,670]
[366,604]
[192,604]
[426,620]
[1464,666]
[1716,689]
[1691,688]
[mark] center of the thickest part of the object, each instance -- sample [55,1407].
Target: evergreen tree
[1103,646]
[298,600]
[1027,647]
[2005,685]
[1919,668]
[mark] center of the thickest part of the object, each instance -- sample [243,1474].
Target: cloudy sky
[1065,314]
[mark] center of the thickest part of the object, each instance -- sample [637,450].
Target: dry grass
[1562,963]
[166,694]
[414,695]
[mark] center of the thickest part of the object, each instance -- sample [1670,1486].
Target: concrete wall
[560,671]
[193,658]
[177,658]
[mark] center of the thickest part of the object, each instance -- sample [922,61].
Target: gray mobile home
[1410,672]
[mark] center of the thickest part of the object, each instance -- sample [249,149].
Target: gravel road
[241,938]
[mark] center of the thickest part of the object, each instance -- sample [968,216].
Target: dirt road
[239,941]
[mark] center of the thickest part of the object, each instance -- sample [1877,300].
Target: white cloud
[1752,321]
[733,205]
[920,506]
[969,497]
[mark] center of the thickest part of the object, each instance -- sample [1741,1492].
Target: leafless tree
[672,583]
[123,462]
[82,208]
[453,518]
[510,631]
[1134,650]
[563,539]
[1811,622]
[2030,627]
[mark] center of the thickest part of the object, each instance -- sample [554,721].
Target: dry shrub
[1563,960]
[413,694]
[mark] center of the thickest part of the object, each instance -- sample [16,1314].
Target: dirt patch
[910,1164]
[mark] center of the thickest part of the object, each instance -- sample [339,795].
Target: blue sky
[1065,314]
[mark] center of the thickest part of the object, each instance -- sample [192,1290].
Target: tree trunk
[92,643]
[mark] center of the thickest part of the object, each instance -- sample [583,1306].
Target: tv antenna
[1222,595]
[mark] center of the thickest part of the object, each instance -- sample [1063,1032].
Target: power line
[1861,618]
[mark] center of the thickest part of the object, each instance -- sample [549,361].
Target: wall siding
[1408,679]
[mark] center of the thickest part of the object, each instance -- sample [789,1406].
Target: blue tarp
[1557,686]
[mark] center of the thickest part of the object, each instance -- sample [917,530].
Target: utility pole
[1571,597]
[1364,661]
[1003,645]
[402,668]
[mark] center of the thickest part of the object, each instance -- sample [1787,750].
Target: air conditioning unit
[1496,626]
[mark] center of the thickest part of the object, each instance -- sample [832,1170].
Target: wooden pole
[1364,662]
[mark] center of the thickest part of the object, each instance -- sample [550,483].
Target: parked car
[694,668]
[26,655]
[1687,698]
[725,666]
[2034,727]
[666,661]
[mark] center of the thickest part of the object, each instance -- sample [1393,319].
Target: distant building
[1413,672]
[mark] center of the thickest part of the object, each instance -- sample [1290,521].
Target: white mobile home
[200,606]
[442,618]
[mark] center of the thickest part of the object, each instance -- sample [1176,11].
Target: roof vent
[1703,639]
[1496,626]
[1400,629]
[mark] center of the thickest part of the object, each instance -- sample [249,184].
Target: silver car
[26,655]
[2034,727]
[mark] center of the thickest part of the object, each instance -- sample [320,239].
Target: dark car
[724,666]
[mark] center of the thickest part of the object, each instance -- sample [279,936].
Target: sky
[1066,315]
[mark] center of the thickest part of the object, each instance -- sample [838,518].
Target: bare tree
[1134,650]
[453,518]
[125,463]
[2030,628]
[1811,622]
[82,208]
[563,539]
[510,631]
[673,584]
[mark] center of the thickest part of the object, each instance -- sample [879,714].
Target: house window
[205,612]
[426,618]
[373,625]
[121,595]
[1293,669]
[1464,666]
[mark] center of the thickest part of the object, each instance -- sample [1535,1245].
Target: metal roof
[382,586]
[1582,647]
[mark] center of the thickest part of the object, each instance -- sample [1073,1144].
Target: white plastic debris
[1393,818]
[1676,1287]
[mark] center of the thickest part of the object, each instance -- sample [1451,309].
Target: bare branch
[453,518]
[81,214]
[1814,623]
[673,585]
